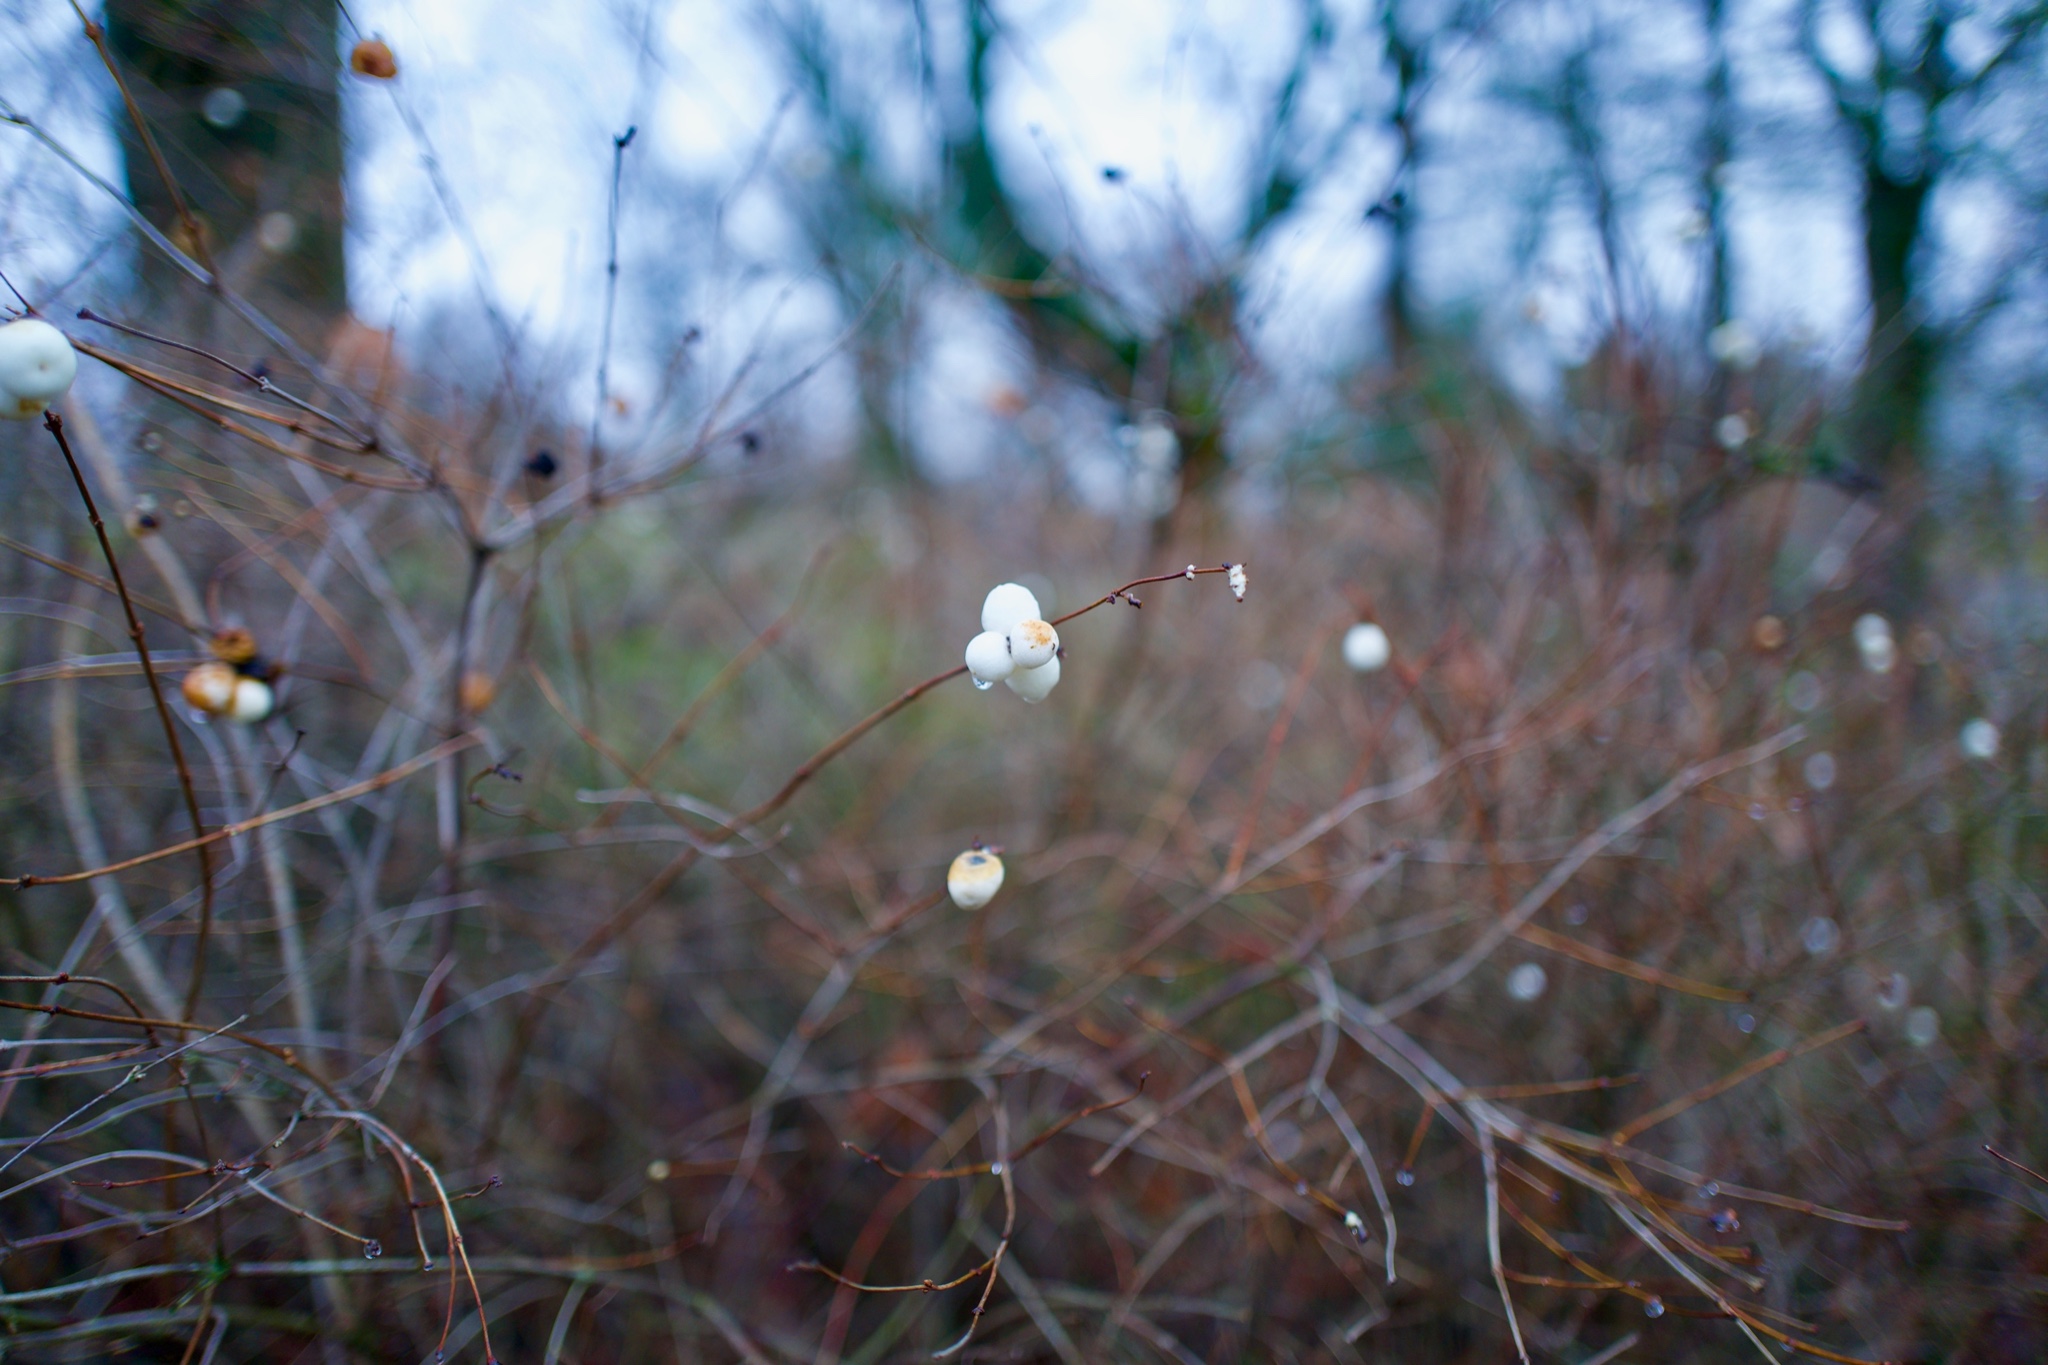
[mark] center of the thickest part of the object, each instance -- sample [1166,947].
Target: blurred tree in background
[240,99]
[1922,90]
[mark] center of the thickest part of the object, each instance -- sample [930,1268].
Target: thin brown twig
[2016,1165]
[1636,1127]
[283,1054]
[1606,961]
[199,843]
[194,232]
[1275,737]
[170,390]
[996,1165]
[150,605]
[241,827]
[364,444]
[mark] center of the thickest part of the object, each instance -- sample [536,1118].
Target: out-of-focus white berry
[1923,1025]
[1237,581]
[36,366]
[1526,982]
[1732,431]
[210,688]
[1366,647]
[1820,936]
[1734,345]
[988,657]
[1980,739]
[253,701]
[1874,642]
[974,878]
[1006,605]
[1032,643]
[1803,691]
[1035,684]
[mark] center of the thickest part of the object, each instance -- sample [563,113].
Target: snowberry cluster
[36,366]
[233,683]
[1016,645]
[218,690]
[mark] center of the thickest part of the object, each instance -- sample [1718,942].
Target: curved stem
[200,846]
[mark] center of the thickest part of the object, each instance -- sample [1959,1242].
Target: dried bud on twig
[233,645]
[478,691]
[372,57]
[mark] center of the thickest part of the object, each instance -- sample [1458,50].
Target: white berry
[36,366]
[1035,684]
[253,701]
[1366,647]
[1032,643]
[974,878]
[1006,605]
[988,657]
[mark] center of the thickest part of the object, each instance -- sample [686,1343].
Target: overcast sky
[518,101]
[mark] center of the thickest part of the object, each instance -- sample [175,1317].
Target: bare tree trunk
[1897,381]
[1716,153]
[242,99]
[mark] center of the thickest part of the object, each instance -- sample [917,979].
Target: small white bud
[1354,1225]
[974,878]
[253,701]
[1190,574]
[36,366]
[1006,605]
[1035,684]
[1032,643]
[988,657]
[1366,647]
[1237,581]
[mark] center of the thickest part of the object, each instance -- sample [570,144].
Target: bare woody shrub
[1640,957]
